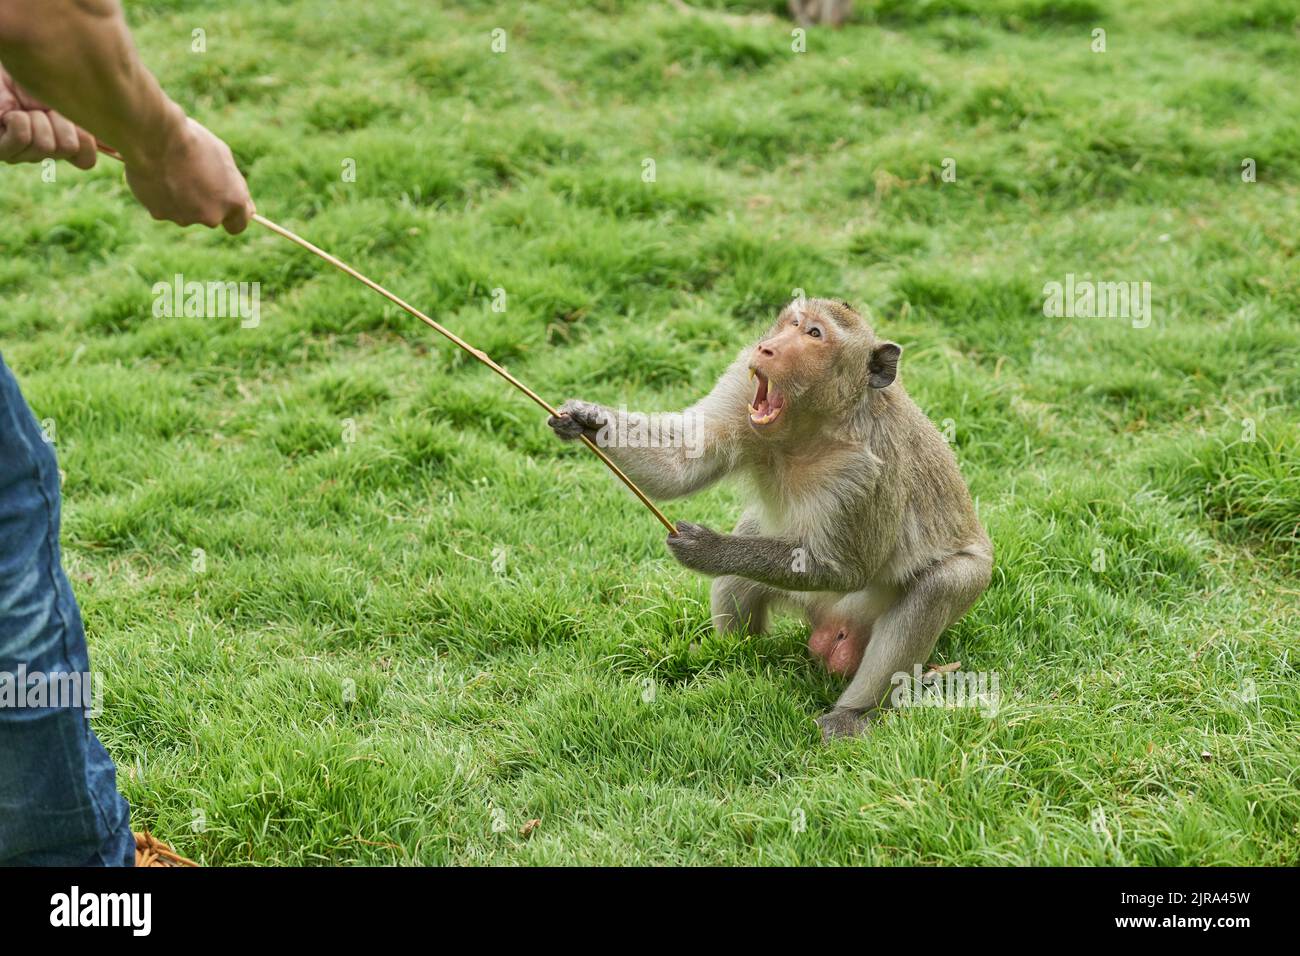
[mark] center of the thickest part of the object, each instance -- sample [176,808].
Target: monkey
[825,12]
[859,516]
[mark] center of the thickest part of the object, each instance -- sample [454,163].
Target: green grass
[401,649]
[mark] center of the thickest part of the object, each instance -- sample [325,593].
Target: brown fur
[858,514]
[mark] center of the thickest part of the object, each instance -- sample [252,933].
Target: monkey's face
[803,368]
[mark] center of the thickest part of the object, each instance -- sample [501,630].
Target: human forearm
[78,57]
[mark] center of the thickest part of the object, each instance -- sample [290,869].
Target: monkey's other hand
[577,419]
[699,548]
[842,722]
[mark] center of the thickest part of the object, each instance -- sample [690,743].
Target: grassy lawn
[353,602]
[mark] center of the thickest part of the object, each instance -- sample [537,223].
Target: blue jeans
[59,804]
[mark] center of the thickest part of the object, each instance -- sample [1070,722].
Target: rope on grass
[150,851]
[482,356]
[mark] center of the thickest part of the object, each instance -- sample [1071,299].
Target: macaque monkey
[859,517]
[831,13]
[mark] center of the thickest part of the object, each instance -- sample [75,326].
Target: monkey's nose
[765,350]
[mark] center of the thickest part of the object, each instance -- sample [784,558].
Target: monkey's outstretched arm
[771,561]
[669,454]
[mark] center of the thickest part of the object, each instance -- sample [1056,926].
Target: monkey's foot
[839,647]
[842,723]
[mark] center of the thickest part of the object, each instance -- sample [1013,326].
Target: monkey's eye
[815,332]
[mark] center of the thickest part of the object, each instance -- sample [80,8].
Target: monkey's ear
[883,368]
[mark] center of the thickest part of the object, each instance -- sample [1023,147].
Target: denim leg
[59,803]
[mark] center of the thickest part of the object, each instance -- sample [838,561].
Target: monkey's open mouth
[767,403]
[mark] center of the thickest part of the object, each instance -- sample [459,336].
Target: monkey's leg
[740,606]
[904,636]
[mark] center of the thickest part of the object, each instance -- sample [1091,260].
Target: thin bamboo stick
[482,356]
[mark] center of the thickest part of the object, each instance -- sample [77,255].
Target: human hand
[191,178]
[31,132]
